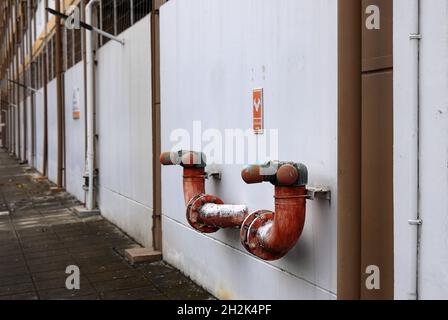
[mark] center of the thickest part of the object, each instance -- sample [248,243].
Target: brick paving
[42,236]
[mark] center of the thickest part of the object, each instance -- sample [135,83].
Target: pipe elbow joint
[277,173]
[271,235]
[186,159]
[205,213]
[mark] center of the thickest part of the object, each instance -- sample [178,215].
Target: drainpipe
[205,213]
[30,46]
[270,235]
[17,77]
[45,100]
[84,66]
[90,64]
[10,131]
[22,56]
[415,221]
[156,141]
[11,116]
[45,89]
[59,97]
[8,124]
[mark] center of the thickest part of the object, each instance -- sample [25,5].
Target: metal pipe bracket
[315,193]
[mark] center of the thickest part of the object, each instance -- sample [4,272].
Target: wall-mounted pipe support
[88,26]
[270,235]
[205,213]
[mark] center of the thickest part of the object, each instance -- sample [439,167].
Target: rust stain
[224,294]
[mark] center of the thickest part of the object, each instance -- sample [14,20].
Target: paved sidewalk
[42,236]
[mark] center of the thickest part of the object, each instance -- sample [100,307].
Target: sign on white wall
[258,112]
[76,109]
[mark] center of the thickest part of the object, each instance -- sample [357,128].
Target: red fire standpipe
[205,213]
[270,235]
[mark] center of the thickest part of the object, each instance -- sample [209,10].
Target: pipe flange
[193,215]
[245,227]
[250,235]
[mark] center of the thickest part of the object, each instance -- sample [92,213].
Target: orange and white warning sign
[76,110]
[258,111]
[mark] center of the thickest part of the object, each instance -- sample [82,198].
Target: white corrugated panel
[124,129]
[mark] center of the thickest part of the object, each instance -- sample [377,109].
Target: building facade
[355,90]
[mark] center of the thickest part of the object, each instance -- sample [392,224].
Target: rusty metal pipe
[289,220]
[205,213]
[271,235]
[276,172]
[223,215]
[169,158]
[193,183]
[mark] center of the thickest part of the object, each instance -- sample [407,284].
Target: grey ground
[42,236]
